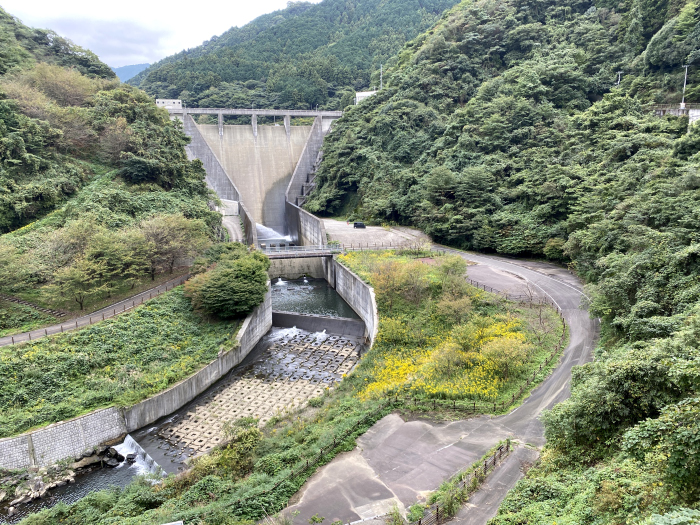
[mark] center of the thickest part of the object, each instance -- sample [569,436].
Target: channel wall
[71,438]
[358,294]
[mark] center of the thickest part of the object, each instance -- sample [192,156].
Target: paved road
[94,317]
[398,462]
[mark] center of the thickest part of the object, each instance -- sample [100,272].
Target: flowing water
[269,235]
[309,296]
[97,479]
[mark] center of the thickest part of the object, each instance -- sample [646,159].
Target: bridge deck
[258,112]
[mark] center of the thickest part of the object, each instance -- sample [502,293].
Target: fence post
[437,514]
[45,332]
[30,335]
[61,328]
[13,339]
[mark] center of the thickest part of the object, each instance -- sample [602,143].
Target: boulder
[112,462]
[25,498]
[11,512]
[130,458]
[3,495]
[112,452]
[86,462]
[60,483]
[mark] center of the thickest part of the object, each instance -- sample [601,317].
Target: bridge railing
[258,112]
[333,248]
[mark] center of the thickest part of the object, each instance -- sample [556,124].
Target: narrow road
[86,320]
[398,462]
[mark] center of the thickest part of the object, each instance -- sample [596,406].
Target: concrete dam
[267,169]
[260,167]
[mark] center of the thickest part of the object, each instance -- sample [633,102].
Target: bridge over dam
[267,169]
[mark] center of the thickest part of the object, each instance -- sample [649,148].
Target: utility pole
[619,77]
[685,81]
[381,76]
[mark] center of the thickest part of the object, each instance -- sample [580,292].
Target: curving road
[398,462]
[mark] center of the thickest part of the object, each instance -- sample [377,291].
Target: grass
[119,361]
[16,318]
[448,341]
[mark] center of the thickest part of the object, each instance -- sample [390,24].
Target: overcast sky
[138,31]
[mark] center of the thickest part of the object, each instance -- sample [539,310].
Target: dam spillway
[259,166]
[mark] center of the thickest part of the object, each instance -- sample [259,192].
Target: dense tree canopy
[298,57]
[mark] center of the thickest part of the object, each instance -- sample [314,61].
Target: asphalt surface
[397,462]
[95,317]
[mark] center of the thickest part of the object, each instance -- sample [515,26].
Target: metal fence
[100,315]
[469,483]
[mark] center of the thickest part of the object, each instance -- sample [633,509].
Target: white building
[169,103]
[361,95]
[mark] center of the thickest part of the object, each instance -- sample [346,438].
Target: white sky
[139,31]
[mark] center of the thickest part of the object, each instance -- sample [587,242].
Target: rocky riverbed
[22,487]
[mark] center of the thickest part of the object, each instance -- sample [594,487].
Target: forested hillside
[298,57]
[96,192]
[502,130]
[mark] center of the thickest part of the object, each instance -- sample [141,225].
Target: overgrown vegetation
[441,338]
[235,281]
[119,362]
[96,192]
[226,486]
[295,58]
[502,129]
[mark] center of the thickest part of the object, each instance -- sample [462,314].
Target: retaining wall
[254,327]
[304,228]
[357,294]
[61,440]
[295,268]
[70,438]
[250,231]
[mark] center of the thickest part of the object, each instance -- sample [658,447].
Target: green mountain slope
[301,56]
[91,173]
[502,130]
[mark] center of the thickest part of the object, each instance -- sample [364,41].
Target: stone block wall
[15,452]
[61,440]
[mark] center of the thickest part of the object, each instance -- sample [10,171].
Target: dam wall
[260,167]
[305,228]
[68,439]
[216,175]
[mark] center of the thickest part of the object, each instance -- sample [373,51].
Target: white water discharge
[144,463]
[266,234]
